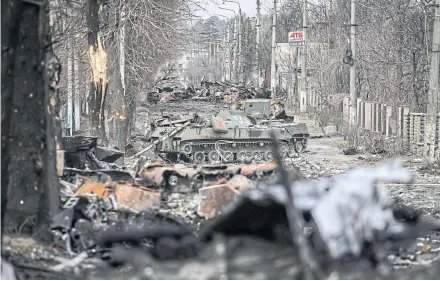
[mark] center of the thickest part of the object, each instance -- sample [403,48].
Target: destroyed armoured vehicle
[265,110]
[230,136]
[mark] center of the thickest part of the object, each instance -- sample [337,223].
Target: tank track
[228,151]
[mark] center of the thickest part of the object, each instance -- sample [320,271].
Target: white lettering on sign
[296,38]
[296,35]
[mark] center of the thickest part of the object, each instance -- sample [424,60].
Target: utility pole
[353,90]
[432,106]
[257,75]
[210,78]
[229,68]
[235,51]
[240,76]
[274,47]
[232,64]
[70,88]
[227,54]
[296,86]
[76,94]
[304,97]
[239,58]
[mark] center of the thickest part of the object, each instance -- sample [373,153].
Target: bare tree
[393,47]
[30,186]
[138,37]
[98,63]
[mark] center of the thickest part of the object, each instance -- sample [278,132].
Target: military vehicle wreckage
[230,136]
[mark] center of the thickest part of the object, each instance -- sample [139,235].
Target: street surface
[323,157]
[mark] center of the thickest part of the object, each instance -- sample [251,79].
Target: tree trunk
[77,94]
[98,63]
[415,102]
[30,72]
[131,113]
[69,119]
[116,104]
[400,61]
[123,116]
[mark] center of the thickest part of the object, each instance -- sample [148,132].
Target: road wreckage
[261,222]
[181,175]
[144,186]
[206,91]
[346,225]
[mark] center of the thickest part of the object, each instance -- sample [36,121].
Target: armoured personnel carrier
[230,136]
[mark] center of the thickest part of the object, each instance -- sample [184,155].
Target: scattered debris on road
[349,220]
[161,220]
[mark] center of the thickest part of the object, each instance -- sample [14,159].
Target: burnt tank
[230,136]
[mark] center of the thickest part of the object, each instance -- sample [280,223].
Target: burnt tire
[173,180]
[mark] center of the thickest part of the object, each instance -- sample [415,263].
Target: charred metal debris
[254,221]
[206,91]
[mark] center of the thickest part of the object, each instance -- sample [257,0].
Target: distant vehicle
[230,136]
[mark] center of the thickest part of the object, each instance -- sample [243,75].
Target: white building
[288,75]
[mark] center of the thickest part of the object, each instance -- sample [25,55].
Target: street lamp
[239,39]
[235,59]
[226,72]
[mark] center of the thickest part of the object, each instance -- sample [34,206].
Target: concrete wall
[392,121]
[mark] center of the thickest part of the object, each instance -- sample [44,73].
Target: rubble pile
[89,179]
[345,227]
[227,221]
[228,92]
[183,206]
[206,91]
[83,152]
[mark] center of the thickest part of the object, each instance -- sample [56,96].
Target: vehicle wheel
[187,149]
[298,145]
[173,180]
[214,157]
[228,156]
[241,156]
[268,156]
[199,157]
[257,156]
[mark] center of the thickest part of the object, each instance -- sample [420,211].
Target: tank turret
[258,108]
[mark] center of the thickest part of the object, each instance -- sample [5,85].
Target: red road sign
[296,35]
[296,38]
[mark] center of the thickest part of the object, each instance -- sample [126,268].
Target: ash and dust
[317,213]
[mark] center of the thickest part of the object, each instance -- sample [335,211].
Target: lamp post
[226,73]
[235,56]
[239,59]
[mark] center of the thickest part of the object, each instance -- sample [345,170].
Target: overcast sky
[248,6]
